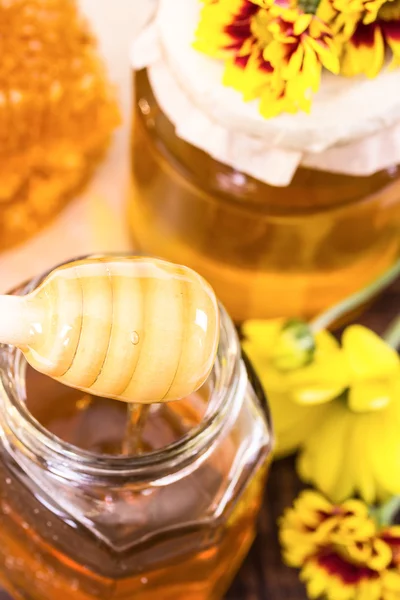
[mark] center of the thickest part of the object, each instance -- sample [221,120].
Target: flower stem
[309,6]
[385,514]
[392,334]
[325,319]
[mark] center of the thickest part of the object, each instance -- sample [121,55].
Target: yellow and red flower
[272,50]
[275,50]
[341,552]
[366,30]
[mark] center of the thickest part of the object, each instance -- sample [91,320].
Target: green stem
[309,6]
[325,319]
[392,334]
[384,515]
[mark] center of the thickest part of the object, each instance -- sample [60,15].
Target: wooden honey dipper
[134,329]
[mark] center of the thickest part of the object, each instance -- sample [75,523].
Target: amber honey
[37,545]
[266,250]
[81,518]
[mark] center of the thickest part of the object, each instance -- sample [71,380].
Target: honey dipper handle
[18,316]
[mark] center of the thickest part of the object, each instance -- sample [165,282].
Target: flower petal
[293,67]
[381,557]
[322,460]
[364,476]
[391,30]
[368,355]
[327,54]
[293,423]
[262,333]
[325,379]
[365,52]
[383,446]
[391,584]
[369,395]
[301,23]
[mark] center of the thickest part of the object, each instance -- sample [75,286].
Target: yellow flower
[341,409]
[352,452]
[366,30]
[341,553]
[314,522]
[356,447]
[272,50]
[297,397]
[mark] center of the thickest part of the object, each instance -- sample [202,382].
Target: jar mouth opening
[223,380]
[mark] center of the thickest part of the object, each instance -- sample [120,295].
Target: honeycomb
[57,111]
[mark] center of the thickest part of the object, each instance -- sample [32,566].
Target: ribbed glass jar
[78,519]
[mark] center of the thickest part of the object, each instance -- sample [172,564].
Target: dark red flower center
[391,29]
[364,35]
[349,573]
[240,28]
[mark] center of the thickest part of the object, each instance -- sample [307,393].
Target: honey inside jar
[267,251]
[78,518]
[99,424]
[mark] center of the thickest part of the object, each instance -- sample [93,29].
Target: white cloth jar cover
[353,127]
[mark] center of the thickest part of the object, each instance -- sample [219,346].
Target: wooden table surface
[263,576]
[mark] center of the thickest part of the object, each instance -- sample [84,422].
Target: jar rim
[39,443]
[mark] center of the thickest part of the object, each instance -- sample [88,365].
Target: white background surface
[94,222]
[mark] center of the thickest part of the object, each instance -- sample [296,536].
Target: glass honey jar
[267,251]
[78,518]
[197,197]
